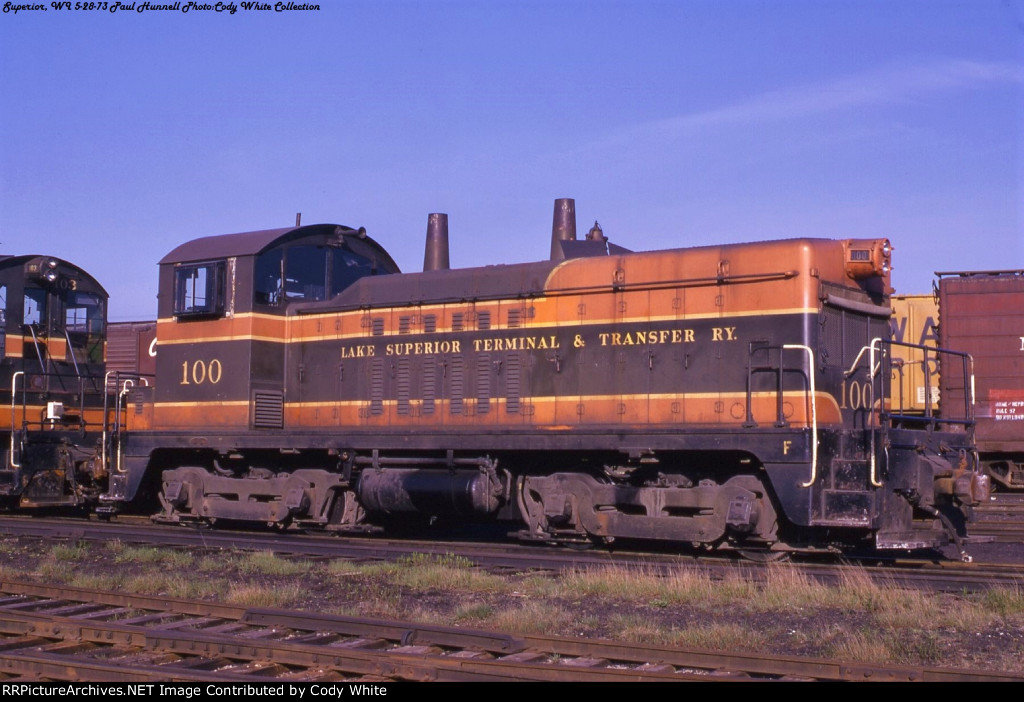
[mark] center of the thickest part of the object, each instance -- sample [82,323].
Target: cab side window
[199,289]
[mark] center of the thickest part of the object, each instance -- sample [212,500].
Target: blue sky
[680,123]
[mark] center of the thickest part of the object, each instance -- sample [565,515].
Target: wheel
[763,555]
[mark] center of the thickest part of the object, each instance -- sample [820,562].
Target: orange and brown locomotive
[734,396]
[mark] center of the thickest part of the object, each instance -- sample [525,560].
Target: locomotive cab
[224,307]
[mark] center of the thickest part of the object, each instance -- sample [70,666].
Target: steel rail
[232,643]
[936,575]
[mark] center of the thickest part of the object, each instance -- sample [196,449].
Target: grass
[149,554]
[785,612]
[1005,602]
[258,595]
[531,617]
[267,563]
[64,553]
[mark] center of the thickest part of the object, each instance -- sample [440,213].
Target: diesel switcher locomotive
[722,397]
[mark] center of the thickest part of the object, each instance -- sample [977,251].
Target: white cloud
[890,85]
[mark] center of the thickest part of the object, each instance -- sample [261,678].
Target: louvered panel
[483,383]
[512,383]
[377,387]
[515,317]
[402,383]
[457,389]
[268,410]
[123,352]
[429,384]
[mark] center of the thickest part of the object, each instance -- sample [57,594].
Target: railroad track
[1001,518]
[64,633]
[936,575]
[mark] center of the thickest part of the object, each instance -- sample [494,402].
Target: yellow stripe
[240,315]
[494,328]
[196,403]
[212,339]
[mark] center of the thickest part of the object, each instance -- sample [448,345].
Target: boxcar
[983,313]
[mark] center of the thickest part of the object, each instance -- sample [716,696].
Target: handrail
[814,410]
[45,364]
[873,371]
[856,361]
[883,368]
[967,368]
[128,385]
[106,394]
[35,343]
[14,391]
[71,349]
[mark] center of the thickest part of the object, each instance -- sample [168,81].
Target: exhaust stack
[435,255]
[563,227]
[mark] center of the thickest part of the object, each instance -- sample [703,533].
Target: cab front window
[84,323]
[35,307]
[307,273]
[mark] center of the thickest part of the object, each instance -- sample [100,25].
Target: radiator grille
[457,385]
[483,383]
[429,385]
[268,410]
[377,387]
[403,386]
[512,384]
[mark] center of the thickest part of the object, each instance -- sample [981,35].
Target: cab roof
[254,243]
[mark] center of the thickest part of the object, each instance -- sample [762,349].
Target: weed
[268,563]
[70,552]
[1004,601]
[255,595]
[152,555]
[178,585]
[725,636]
[530,617]
[475,612]
[96,581]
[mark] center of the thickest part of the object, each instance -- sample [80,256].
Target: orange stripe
[546,413]
[14,345]
[34,414]
[569,412]
[201,415]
